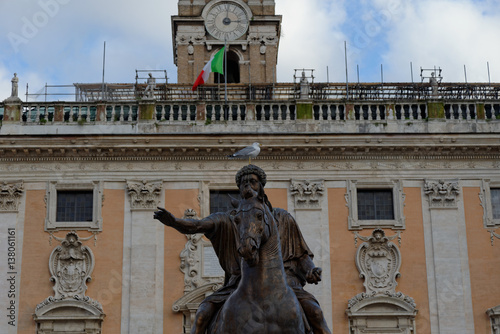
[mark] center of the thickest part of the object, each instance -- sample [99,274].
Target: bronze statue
[219,228]
[263,302]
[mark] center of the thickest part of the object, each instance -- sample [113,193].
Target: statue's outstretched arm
[185,226]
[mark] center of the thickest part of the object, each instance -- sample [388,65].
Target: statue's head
[251,180]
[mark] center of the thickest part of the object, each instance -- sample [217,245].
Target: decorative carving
[198,261]
[397,295]
[190,39]
[71,265]
[378,261]
[144,195]
[307,193]
[265,39]
[494,314]
[493,235]
[10,194]
[85,299]
[442,194]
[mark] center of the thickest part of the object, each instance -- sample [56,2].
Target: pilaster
[146,259]
[449,287]
[308,201]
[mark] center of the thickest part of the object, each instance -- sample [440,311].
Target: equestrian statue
[266,261]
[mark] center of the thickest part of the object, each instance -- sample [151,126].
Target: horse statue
[263,303]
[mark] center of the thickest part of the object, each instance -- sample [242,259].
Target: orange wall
[345,277]
[105,286]
[413,280]
[35,275]
[278,198]
[176,201]
[484,261]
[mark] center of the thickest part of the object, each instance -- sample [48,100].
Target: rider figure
[218,228]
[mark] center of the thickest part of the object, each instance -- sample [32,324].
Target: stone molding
[307,193]
[10,196]
[69,316]
[390,313]
[144,195]
[442,193]
[189,303]
[395,150]
[398,196]
[485,197]
[51,225]
[494,314]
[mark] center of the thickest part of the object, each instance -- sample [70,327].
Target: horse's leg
[204,315]
[315,316]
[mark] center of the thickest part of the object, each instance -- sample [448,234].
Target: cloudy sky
[60,42]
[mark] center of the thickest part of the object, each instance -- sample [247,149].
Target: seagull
[247,152]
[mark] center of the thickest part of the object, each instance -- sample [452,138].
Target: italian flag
[214,65]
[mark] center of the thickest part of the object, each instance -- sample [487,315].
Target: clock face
[226,21]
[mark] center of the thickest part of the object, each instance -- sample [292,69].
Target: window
[375,204]
[74,206]
[495,202]
[490,201]
[220,200]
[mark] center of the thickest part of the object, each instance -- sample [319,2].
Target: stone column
[145,304]
[447,259]
[313,221]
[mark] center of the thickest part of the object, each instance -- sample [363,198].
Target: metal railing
[279,92]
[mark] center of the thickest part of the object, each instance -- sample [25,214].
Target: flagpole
[225,72]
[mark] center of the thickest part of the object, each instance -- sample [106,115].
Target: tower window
[233,69]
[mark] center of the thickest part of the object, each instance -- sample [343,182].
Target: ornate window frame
[351,197]
[53,187]
[485,196]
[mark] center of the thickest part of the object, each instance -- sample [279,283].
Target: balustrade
[262,111]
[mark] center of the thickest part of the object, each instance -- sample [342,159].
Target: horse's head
[252,220]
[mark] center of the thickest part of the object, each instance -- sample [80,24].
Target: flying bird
[247,152]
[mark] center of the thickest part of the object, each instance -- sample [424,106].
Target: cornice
[278,147]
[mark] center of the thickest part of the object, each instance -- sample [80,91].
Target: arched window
[233,69]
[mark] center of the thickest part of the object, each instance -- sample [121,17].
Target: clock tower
[249,28]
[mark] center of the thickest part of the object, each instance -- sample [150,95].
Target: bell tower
[250,29]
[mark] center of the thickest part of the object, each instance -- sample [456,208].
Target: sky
[61,42]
